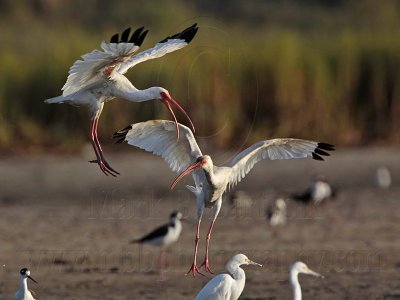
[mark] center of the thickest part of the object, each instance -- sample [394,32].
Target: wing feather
[167,45]
[275,149]
[96,64]
[159,138]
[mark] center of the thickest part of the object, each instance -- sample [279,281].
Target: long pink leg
[97,149]
[194,269]
[100,150]
[162,264]
[206,263]
[215,211]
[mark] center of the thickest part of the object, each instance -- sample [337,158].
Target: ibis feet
[194,270]
[206,266]
[105,167]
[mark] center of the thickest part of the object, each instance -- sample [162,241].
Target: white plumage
[23,292]
[184,156]
[296,269]
[98,78]
[227,286]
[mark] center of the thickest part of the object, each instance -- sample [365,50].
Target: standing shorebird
[277,213]
[319,191]
[296,269]
[163,236]
[184,156]
[99,78]
[227,286]
[23,292]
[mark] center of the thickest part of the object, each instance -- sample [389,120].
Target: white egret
[296,269]
[227,286]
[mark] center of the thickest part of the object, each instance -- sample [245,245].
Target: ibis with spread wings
[99,77]
[184,156]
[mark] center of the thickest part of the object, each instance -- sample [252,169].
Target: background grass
[326,70]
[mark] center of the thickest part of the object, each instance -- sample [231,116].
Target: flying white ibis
[163,236]
[184,156]
[296,269]
[23,292]
[98,78]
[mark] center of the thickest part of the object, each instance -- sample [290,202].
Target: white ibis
[98,78]
[317,193]
[296,269]
[163,236]
[184,156]
[227,286]
[23,292]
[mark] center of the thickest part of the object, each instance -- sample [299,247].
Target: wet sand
[71,225]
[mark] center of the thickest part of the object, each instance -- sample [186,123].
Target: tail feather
[59,99]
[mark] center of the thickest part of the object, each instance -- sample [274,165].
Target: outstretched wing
[167,45]
[98,64]
[159,138]
[273,150]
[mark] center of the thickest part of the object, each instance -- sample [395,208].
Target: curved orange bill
[185,172]
[176,104]
[173,115]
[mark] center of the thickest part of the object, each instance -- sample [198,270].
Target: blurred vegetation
[326,70]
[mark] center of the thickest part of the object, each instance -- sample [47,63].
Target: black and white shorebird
[99,77]
[319,191]
[163,236]
[184,156]
[23,292]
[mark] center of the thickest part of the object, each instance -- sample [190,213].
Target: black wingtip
[135,35]
[114,39]
[140,39]
[187,35]
[321,150]
[120,135]
[316,156]
[326,146]
[125,35]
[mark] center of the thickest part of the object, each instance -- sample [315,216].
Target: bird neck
[175,222]
[209,173]
[294,281]
[23,284]
[237,272]
[239,277]
[136,95]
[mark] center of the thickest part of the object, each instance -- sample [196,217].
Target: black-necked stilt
[319,191]
[163,236]
[23,292]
